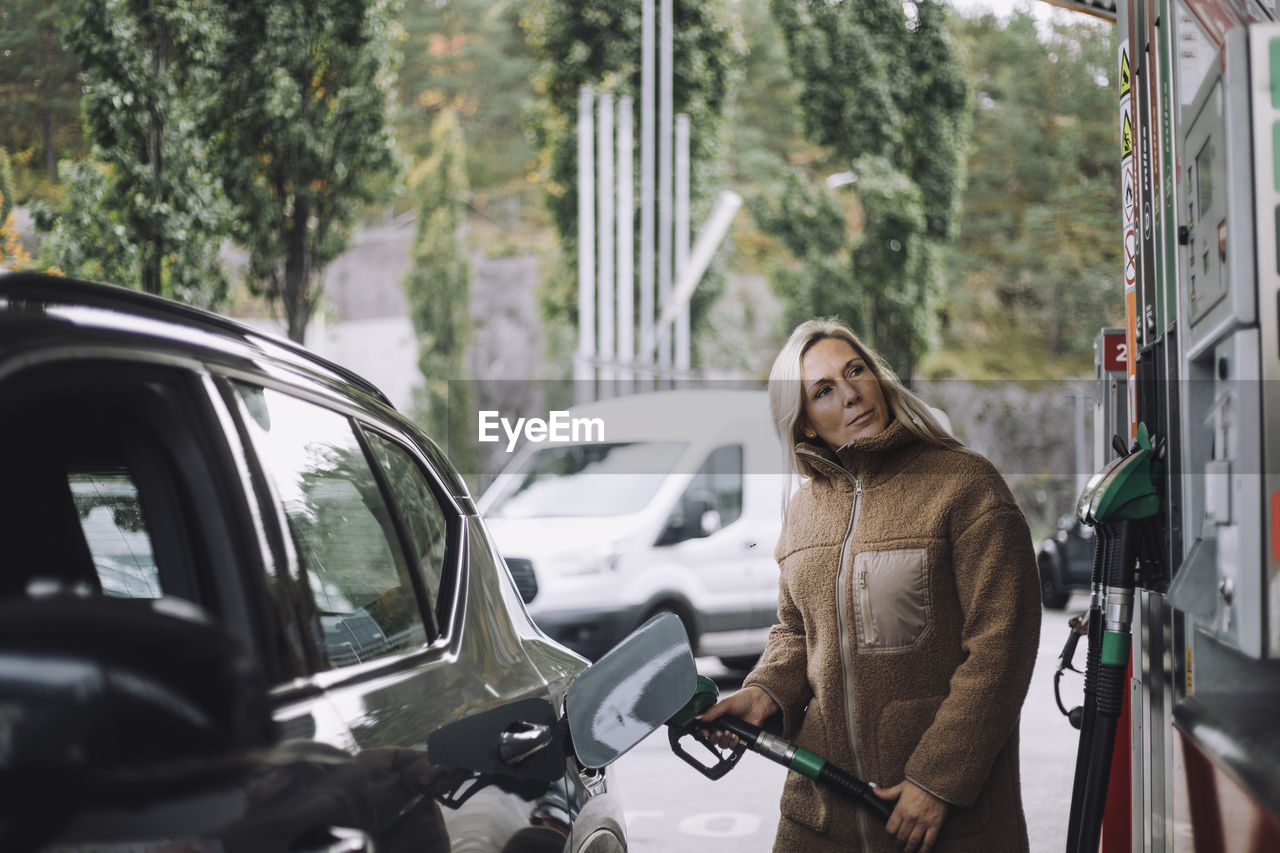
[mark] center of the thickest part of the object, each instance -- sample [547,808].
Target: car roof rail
[41,287]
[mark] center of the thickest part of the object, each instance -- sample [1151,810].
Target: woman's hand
[917,818]
[750,704]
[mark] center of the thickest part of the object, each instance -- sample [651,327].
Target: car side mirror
[112,700]
[620,700]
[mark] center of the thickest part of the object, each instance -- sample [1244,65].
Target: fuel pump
[1115,503]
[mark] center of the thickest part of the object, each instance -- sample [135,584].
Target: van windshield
[586,480]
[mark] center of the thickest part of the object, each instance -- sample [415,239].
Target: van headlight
[593,562]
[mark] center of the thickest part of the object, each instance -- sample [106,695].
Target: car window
[119,495]
[110,512]
[721,477]
[585,480]
[362,604]
[424,521]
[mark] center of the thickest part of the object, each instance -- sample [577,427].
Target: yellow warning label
[1125,83]
[1190,681]
[1126,142]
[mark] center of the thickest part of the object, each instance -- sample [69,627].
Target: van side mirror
[696,516]
[111,700]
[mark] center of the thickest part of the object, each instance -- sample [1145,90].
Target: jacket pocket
[898,731]
[803,800]
[890,598]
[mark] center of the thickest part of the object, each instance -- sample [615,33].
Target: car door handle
[341,839]
[523,740]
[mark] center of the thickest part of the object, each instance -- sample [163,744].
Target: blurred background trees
[304,139]
[194,132]
[146,205]
[1035,269]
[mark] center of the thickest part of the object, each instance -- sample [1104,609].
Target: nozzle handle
[721,761]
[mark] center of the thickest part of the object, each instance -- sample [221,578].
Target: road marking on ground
[707,824]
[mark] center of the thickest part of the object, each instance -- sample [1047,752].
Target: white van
[676,508]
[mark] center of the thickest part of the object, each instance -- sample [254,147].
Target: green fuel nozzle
[685,723]
[715,761]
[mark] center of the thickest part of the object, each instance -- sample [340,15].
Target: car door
[378,552]
[731,571]
[121,484]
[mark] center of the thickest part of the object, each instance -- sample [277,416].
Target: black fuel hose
[805,763]
[1104,542]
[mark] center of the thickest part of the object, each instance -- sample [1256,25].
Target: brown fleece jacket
[909,617]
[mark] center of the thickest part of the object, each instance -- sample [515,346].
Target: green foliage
[88,238]
[149,212]
[438,290]
[471,57]
[304,136]
[39,94]
[763,120]
[597,43]
[6,185]
[1037,263]
[882,90]
[12,253]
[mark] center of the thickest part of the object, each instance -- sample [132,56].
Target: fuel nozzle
[712,761]
[685,724]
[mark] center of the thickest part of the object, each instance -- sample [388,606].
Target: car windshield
[585,480]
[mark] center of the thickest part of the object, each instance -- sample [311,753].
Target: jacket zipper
[846,646]
[864,608]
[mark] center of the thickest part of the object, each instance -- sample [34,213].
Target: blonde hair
[786,393]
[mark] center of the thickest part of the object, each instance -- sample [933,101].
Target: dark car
[1065,562]
[239,597]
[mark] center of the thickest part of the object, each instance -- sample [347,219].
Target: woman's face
[842,399]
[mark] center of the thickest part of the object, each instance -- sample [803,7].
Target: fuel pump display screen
[1204,179]
[1204,276]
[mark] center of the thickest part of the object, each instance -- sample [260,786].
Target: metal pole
[648,42]
[666,109]
[704,249]
[682,336]
[605,278]
[626,244]
[584,369]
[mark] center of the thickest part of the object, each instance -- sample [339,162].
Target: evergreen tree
[471,57]
[881,88]
[146,66]
[1037,268]
[439,292]
[304,135]
[39,93]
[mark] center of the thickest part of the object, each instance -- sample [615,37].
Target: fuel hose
[808,764]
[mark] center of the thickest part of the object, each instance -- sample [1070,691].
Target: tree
[438,290]
[763,109]
[304,136]
[1037,268]
[597,43]
[85,237]
[39,94]
[471,57]
[146,66]
[881,88]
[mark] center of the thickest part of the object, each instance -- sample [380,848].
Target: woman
[909,613]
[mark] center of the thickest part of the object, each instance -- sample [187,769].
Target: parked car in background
[1065,562]
[239,593]
[676,508]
